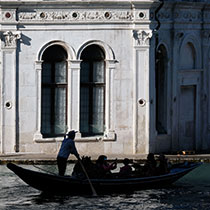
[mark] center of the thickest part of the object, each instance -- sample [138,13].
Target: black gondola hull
[66,184]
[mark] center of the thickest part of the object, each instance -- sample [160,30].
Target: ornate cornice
[74,15]
[180,14]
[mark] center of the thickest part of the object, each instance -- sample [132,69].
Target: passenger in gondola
[138,170]
[89,166]
[103,167]
[162,167]
[126,170]
[150,165]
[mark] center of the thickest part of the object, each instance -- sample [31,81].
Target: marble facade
[157,58]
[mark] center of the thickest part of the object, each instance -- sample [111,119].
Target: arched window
[54,92]
[92,91]
[161,90]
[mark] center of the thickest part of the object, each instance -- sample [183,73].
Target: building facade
[132,77]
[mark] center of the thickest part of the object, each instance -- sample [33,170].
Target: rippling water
[190,192]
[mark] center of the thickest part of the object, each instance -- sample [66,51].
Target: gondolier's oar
[91,186]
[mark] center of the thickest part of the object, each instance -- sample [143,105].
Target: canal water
[190,192]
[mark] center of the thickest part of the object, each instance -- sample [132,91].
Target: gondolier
[67,147]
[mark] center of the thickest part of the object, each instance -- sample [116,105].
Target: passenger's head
[161,157]
[101,159]
[126,161]
[150,156]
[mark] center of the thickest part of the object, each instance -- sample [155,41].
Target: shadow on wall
[25,40]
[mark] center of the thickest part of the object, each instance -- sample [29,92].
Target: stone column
[74,96]
[109,133]
[38,67]
[141,90]
[206,87]
[176,40]
[9,91]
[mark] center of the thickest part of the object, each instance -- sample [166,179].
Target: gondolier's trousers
[62,162]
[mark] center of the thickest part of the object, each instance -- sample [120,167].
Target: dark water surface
[190,192]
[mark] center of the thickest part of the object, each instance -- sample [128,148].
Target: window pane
[98,110]
[46,107]
[85,71]
[60,72]
[46,72]
[98,71]
[60,111]
[84,110]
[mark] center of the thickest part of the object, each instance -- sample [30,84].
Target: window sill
[110,136]
[48,140]
[93,139]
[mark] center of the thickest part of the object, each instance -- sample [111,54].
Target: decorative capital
[142,37]
[10,38]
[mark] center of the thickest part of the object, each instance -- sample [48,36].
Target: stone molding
[104,15]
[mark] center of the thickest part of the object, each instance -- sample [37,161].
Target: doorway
[187,117]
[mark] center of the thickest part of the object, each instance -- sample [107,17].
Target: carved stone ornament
[164,14]
[142,37]
[187,15]
[179,35]
[75,15]
[8,15]
[10,38]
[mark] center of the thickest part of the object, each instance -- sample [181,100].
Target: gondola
[52,183]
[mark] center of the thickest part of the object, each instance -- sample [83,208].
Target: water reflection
[190,192]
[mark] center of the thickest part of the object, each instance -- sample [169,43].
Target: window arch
[92,91]
[161,90]
[54,91]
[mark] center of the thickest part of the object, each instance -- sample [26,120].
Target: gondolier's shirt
[67,148]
